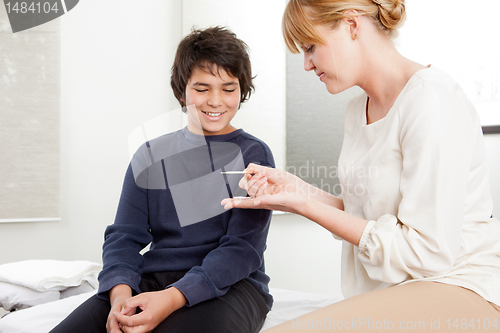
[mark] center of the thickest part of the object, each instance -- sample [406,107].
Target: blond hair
[298,28]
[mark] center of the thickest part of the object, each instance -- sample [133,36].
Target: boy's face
[216,97]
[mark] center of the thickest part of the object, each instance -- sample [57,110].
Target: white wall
[302,256]
[467,52]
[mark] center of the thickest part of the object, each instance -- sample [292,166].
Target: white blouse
[419,177]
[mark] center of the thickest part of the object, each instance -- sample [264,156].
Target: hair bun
[392,13]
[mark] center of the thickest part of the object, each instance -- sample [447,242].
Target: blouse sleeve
[437,133]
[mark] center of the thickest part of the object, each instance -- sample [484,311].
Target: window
[29,122]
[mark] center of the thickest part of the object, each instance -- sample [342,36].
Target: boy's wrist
[121,291]
[176,297]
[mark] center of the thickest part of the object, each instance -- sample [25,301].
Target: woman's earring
[354,37]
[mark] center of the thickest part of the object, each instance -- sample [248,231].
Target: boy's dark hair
[211,49]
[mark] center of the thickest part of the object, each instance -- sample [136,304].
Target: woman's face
[333,61]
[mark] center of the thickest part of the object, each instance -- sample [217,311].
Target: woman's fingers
[252,182]
[241,202]
[262,190]
[272,202]
[255,168]
[244,180]
[254,185]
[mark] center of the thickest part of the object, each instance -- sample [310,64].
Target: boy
[204,271]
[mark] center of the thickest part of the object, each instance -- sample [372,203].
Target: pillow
[85,287]
[44,275]
[14,297]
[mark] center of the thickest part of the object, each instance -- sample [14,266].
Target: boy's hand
[156,307]
[112,325]
[117,297]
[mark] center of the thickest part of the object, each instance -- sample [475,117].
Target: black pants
[242,309]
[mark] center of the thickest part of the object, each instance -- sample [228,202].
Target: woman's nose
[308,63]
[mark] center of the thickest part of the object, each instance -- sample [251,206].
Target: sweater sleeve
[125,239]
[240,253]
[424,238]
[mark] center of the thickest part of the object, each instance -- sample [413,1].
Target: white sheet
[14,297]
[42,318]
[290,304]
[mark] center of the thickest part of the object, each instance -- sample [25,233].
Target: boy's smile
[216,98]
[212,116]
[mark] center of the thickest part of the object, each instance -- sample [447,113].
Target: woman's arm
[346,226]
[317,194]
[279,190]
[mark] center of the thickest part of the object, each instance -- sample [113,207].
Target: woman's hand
[270,188]
[279,190]
[156,307]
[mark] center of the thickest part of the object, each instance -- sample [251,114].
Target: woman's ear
[352,20]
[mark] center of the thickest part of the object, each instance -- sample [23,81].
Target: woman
[420,249]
